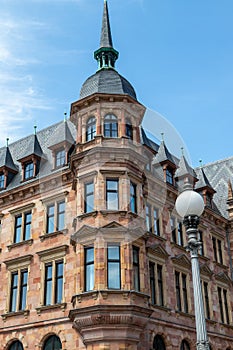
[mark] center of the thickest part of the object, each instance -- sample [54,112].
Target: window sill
[16,313]
[86,215]
[108,212]
[153,235]
[53,234]
[28,179]
[182,313]
[43,308]
[19,244]
[160,307]
[173,244]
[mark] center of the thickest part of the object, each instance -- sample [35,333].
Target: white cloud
[21,99]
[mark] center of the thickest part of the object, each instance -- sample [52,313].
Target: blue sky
[177,54]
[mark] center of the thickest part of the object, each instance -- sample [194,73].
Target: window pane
[113,252]
[156,222]
[27,225]
[89,255]
[89,278]
[50,218]
[61,216]
[28,170]
[48,284]
[60,158]
[133,197]
[148,218]
[14,288]
[89,197]
[59,282]
[23,291]
[2,180]
[113,275]
[114,281]
[53,343]
[16,346]
[18,228]
[112,201]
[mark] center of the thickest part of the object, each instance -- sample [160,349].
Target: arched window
[158,343]
[52,343]
[110,126]
[17,345]
[129,130]
[184,345]
[91,129]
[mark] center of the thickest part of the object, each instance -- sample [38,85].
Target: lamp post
[190,206]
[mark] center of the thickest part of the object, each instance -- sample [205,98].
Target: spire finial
[200,162]
[7,141]
[106,55]
[65,116]
[182,151]
[35,127]
[162,136]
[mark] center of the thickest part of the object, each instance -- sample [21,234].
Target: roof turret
[6,160]
[106,80]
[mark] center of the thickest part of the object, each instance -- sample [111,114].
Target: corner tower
[110,308]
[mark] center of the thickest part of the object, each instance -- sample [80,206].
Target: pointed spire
[185,171]
[106,36]
[203,182]
[163,155]
[6,159]
[106,55]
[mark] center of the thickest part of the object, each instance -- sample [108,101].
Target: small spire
[162,136]
[200,161]
[65,116]
[182,151]
[106,55]
[35,127]
[7,141]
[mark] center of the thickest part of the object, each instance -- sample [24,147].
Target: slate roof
[184,169]
[32,147]
[148,142]
[23,147]
[6,159]
[107,81]
[218,174]
[203,181]
[61,134]
[163,155]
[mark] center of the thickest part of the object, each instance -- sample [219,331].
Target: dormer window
[129,130]
[28,170]
[110,126]
[2,181]
[60,158]
[169,176]
[91,129]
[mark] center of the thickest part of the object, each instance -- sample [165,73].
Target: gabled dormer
[7,167]
[31,159]
[165,159]
[185,173]
[204,187]
[60,144]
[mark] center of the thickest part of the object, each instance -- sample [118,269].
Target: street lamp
[190,206]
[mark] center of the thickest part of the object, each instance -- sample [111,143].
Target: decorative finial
[35,127]
[182,151]
[162,135]
[65,116]
[7,141]
[200,161]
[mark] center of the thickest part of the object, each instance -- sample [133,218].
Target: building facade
[92,251]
